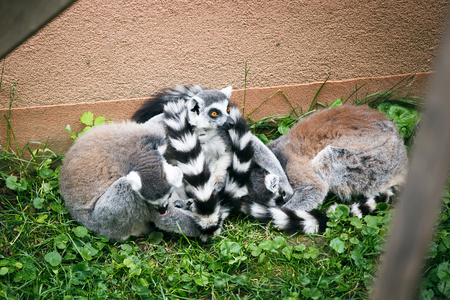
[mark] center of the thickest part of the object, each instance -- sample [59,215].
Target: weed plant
[46,255]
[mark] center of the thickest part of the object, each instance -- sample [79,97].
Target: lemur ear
[272,182]
[195,104]
[227,91]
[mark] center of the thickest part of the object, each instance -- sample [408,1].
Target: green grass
[46,255]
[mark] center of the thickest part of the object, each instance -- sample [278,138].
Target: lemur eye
[228,109]
[214,114]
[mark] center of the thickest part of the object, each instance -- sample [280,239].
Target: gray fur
[212,96]
[99,192]
[267,160]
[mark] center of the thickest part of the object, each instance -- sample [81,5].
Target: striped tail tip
[286,219]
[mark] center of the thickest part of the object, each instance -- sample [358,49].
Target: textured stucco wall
[112,49]
[46,124]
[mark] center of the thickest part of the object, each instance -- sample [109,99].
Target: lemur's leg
[354,172]
[148,168]
[267,160]
[309,189]
[120,212]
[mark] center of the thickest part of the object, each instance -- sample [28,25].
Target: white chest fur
[213,145]
[217,154]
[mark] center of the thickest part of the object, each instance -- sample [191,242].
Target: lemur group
[187,159]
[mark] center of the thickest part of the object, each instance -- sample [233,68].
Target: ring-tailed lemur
[116,183]
[114,179]
[213,185]
[349,151]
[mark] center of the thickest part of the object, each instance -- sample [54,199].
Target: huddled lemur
[218,125]
[116,182]
[349,151]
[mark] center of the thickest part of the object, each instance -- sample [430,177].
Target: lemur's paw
[135,180]
[173,175]
[179,204]
[272,182]
[207,236]
[189,203]
[286,190]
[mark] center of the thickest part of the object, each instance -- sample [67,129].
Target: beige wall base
[45,124]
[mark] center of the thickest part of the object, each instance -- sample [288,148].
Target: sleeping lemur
[347,150]
[116,183]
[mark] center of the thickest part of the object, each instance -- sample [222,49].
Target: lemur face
[218,115]
[161,204]
[210,109]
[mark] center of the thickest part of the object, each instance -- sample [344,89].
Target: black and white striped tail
[235,193]
[238,174]
[313,221]
[155,105]
[184,147]
[286,219]
[365,205]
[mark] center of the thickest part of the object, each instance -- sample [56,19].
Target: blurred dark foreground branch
[415,216]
